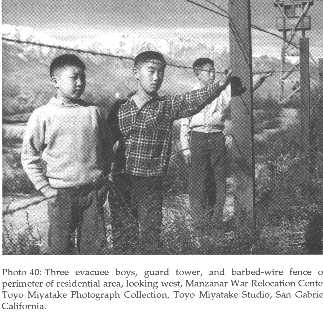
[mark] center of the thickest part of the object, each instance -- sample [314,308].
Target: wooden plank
[293,23]
[292,2]
[242,120]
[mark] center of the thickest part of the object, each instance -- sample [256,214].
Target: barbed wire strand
[238,39]
[227,16]
[219,7]
[256,27]
[232,27]
[9,210]
[231,22]
[252,25]
[92,52]
[120,56]
[290,42]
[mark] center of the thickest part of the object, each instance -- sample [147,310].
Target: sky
[72,18]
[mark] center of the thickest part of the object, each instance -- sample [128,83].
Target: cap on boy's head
[63,60]
[147,56]
[200,62]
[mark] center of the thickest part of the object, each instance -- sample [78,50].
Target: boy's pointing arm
[188,104]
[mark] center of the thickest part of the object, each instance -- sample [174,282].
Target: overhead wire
[225,14]
[92,52]
[121,57]
[232,27]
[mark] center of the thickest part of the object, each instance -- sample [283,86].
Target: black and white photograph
[159,127]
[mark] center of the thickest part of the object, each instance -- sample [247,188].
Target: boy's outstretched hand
[227,77]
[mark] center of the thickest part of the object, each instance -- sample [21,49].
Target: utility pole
[242,120]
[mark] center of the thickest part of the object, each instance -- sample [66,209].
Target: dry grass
[289,210]
[27,241]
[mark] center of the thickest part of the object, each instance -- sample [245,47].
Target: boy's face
[206,74]
[69,82]
[150,75]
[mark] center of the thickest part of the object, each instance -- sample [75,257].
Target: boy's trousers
[137,220]
[207,180]
[81,210]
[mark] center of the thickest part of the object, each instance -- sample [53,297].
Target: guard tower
[293,23]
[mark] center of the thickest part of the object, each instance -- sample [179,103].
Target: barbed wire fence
[278,152]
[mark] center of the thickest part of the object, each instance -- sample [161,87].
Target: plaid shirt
[147,132]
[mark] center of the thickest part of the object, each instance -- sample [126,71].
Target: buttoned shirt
[146,132]
[209,120]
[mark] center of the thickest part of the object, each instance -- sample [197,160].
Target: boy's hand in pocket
[48,191]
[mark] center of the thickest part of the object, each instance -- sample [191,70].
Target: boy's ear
[135,71]
[54,81]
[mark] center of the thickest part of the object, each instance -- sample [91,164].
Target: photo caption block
[50,286]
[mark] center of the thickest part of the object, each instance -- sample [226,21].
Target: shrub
[14,179]
[26,242]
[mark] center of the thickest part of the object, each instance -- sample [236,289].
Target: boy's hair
[63,60]
[200,62]
[148,56]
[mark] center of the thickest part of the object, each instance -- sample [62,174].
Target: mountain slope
[26,83]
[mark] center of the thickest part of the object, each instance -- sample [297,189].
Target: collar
[197,85]
[56,102]
[155,98]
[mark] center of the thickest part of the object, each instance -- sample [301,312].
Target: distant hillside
[26,83]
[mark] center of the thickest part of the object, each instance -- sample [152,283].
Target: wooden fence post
[305,106]
[319,124]
[321,73]
[242,119]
